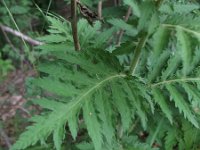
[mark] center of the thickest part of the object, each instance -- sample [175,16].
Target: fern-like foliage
[91,90]
[99,91]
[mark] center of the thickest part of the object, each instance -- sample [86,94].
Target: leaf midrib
[175,80]
[95,87]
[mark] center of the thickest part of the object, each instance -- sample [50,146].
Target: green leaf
[58,135]
[55,48]
[185,49]
[182,105]
[110,12]
[93,126]
[193,95]
[195,60]
[45,125]
[104,37]
[88,32]
[166,8]
[124,48]
[158,128]
[105,114]
[56,87]
[39,131]
[85,146]
[48,104]
[122,106]
[60,71]
[185,8]
[144,93]
[157,68]
[58,25]
[161,101]
[135,101]
[154,23]
[147,8]
[171,138]
[160,41]
[121,24]
[85,64]
[185,22]
[135,8]
[53,38]
[172,66]
[190,134]
[73,123]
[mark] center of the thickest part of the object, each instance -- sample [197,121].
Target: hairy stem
[197,79]
[137,53]
[139,47]
[171,26]
[74,25]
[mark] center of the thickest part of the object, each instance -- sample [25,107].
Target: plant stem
[139,47]
[21,35]
[74,25]
[137,53]
[100,9]
[171,26]
[8,40]
[197,79]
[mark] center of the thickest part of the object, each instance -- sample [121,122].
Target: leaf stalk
[137,53]
[74,25]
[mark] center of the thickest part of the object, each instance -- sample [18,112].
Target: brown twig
[21,35]
[100,9]
[74,25]
[121,32]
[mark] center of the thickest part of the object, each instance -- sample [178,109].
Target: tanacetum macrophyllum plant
[143,94]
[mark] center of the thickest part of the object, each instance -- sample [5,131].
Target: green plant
[14,47]
[5,67]
[143,94]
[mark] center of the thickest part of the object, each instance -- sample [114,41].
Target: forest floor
[14,111]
